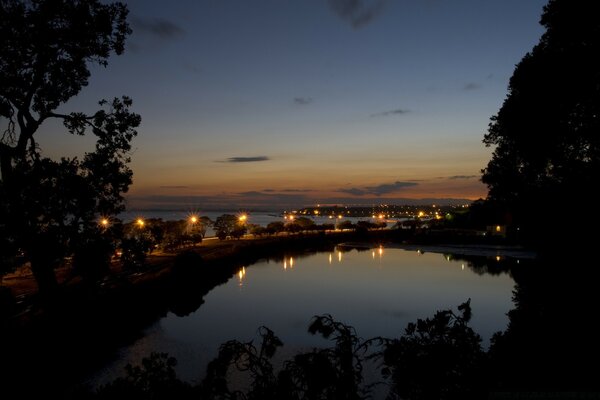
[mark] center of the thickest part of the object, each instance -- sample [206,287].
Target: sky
[287,103]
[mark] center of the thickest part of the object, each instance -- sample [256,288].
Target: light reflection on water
[378,291]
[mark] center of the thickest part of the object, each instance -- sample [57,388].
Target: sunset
[299,199]
[296,103]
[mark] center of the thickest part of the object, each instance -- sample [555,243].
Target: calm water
[377,291]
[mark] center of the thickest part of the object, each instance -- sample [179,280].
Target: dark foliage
[438,358]
[155,379]
[546,134]
[48,208]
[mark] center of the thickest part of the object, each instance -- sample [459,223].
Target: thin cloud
[398,111]
[253,193]
[303,101]
[254,197]
[462,177]
[379,190]
[472,86]
[286,190]
[174,187]
[354,191]
[158,27]
[247,159]
[357,12]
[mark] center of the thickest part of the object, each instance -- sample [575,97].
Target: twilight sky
[297,102]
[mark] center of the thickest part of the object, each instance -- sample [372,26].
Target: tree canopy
[546,134]
[48,207]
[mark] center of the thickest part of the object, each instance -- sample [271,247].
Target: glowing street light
[140,222]
[104,222]
[193,219]
[242,218]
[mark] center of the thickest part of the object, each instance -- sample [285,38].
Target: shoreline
[115,311]
[504,251]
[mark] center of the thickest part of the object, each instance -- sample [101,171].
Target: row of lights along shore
[104,222]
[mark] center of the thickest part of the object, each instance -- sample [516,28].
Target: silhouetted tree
[346,225]
[547,154]
[437,358]
[229,225]
[305,224]
[257,230]
[245,357]
[202,225]
[154,379]
[47,206]
[275,227]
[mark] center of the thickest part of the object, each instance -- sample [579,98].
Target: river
[378,291]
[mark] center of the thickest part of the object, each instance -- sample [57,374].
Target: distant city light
[140,222]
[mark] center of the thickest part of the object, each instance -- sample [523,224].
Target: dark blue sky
[312,101]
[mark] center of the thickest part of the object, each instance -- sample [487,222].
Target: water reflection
[241,276]
[288,262]
[378,301]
